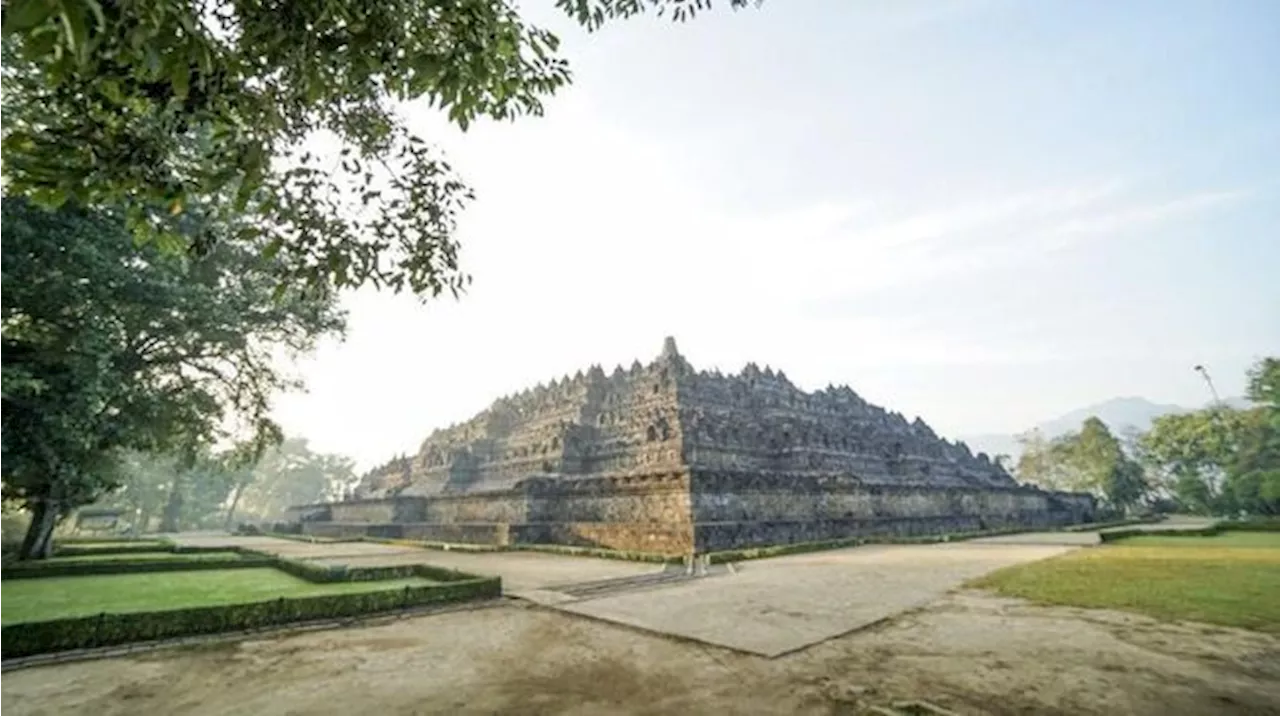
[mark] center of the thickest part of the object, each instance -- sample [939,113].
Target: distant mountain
[1120,414]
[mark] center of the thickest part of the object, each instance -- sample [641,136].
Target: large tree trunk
[170,521]
[38,542]
[235,501]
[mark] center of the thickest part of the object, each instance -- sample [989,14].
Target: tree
[1264,385]
[1221,460]
[1091,460]
[292,474]
[1037,464]
[160,105]
[107,347]
[1188,452]
[144,484]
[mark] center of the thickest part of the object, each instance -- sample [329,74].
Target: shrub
[746,553]
[1256,524]
[82,549]
[1115,535]
[1115,523]
[31,638]
[31,570]
[324,574]
[600,552]
[443,546]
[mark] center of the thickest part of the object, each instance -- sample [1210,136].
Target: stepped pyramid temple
[663,458]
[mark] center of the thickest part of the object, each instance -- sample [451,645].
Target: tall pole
[1218,418]
[1204,373]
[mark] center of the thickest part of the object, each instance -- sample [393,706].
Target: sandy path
[971,652]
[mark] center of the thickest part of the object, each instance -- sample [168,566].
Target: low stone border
[748,553]
[1114,523]
[572,551]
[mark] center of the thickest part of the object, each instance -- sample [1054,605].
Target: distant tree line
[215,491]
[1219,461]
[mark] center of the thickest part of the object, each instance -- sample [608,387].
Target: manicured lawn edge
[327,574]
[1255,525]
[310,539]
[600,552]
[36,570]
[31,638]
[110,540]
[248,557]
[748,553]
[441,546]
[1113,523]
[81,550]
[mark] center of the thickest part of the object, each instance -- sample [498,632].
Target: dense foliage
[213,490]
[160,105]
[1089,460]
[1213,461]
[108,346]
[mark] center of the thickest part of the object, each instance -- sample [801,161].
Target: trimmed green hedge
[1257,524]
[309,571]
[27,639]
[110,540]
[1251,525]
[305,538]
[1116,535]
[30,570]
[746,553]
[442,546]
[324,574]
[1113,523]
[77,551]
[600,552]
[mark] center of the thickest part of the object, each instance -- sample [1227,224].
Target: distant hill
[1120,414]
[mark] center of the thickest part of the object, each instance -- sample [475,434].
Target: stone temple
[663,458]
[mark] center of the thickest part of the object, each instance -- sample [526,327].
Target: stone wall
[507,507]
[654,537]
[401,509]
[308,513]
[671,512]
[335,530]
[742,509]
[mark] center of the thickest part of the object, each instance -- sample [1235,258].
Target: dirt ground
[971,652]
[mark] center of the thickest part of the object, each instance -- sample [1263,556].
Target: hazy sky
[984,212]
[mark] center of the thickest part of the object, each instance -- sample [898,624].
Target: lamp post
[1226,431]
[1204,373]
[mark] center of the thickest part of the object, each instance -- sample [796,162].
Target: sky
[983,212]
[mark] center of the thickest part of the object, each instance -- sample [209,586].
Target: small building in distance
[663,458]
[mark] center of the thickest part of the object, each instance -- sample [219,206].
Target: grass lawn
[1231,579]
[46,598]
[146,556]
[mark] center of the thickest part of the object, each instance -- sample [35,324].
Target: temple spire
[669,349]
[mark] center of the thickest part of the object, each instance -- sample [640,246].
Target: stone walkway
[794,602]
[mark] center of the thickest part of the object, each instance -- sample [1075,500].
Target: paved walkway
[775,606]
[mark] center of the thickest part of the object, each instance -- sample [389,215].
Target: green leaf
[23,15]
[181,80]
[76,28]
